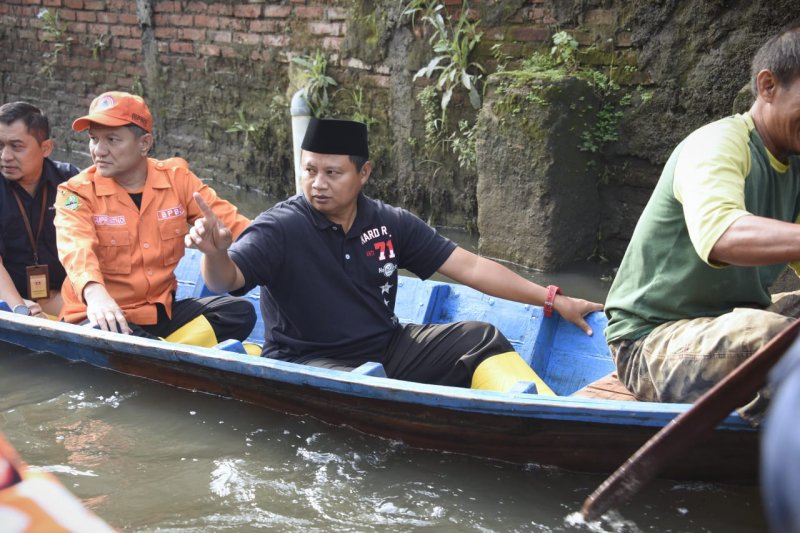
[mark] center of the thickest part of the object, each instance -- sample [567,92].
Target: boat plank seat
[231,345]
[370,368]
[524,387]
[609,387]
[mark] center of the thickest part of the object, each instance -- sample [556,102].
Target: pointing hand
[208,234]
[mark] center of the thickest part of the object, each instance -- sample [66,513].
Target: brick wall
[203,64]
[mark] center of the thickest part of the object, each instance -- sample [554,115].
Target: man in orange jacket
[120,227]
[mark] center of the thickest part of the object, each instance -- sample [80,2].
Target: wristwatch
[22,309]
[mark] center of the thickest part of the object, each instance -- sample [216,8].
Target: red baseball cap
[116,109]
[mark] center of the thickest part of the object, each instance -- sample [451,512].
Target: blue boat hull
[575,433]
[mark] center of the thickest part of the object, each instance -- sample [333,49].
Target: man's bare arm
[494,279]
[757,241]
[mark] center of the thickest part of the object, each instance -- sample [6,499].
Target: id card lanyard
[37,275]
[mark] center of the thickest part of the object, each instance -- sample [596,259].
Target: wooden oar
[738,388]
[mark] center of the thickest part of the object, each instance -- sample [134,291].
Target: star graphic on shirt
[386,288]
[386,303]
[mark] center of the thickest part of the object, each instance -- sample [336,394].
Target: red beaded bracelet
[552,290]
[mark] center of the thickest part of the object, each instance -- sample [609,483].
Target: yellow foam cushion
[197,332]
[501,372]
[252,348]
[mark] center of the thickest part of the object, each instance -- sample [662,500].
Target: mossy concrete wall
[537,197]
[693,57]
[675,65]
[219,73]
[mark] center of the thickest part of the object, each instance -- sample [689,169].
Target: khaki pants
[679,361]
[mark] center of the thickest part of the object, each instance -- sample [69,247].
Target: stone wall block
[537,194]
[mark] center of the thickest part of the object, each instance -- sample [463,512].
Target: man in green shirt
[690,301]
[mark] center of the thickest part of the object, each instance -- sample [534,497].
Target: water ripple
[64,469]
[230,478]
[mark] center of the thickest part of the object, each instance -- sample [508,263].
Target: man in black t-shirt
[327,263]
[30,272]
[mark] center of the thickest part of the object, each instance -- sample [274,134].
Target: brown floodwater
[149,457]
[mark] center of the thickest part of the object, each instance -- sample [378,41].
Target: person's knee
[632,369]
[491,339]
[246,315]
[234,319]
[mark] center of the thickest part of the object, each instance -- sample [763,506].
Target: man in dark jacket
[30,273]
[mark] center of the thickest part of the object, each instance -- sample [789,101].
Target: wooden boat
[32,500]
[587,427]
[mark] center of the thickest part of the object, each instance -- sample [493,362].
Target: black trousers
[440,354]
[230,317]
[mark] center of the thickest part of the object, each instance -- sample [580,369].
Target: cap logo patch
[105,102]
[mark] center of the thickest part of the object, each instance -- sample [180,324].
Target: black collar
[364,214]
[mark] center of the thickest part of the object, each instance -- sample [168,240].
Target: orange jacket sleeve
[75,236]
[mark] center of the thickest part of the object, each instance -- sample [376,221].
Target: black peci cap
[333,136]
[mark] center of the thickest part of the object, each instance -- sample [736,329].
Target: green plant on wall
[261,123]
[602,125]
[419,8]
[451,66]
[565,49]
[368,30]
[262,130]
[604,130]
[317,82]
[56,32]
[253,130]
[357,107]
[463,144]
[137,87]
[100,44]
[532,70]
[429,101]
[451,69]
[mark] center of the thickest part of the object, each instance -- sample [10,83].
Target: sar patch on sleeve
[72,202]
